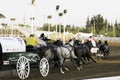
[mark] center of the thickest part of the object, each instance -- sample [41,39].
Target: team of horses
[78,53]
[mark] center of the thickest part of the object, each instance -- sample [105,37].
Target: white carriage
[13,53]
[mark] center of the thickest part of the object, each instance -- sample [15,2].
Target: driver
[42,39]
[92,40]
[32,41]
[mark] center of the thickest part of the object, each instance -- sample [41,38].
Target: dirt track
[104,67]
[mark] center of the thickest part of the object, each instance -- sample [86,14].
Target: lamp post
[32,26]
[57,9]
[12,20]
[60,26]
[32,18]
[65,11]
[49,17]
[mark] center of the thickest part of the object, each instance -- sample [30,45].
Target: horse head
[77,43]
[58,43]
[71,42]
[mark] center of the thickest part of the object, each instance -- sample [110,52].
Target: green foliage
[72,29]
[4,24]
[96,24]
[23,25]
[117,29]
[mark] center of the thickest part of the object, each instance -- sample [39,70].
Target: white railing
[100,38]
[108,38]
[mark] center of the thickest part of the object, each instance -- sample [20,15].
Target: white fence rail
[113,39]
[108,38]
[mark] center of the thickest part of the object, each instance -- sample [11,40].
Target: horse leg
[64,66]
[88,59]
[79,65]
[78,62]
[66,69]
[73,60]
[61,65]
[61,70]
[88,56]
[101,54]
[83,60]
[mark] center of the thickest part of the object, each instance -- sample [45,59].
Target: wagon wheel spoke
[44,67]
[23,67]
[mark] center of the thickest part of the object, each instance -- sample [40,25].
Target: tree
[4,24]
[117,28]
[88,25]
[88,22]
[96,24]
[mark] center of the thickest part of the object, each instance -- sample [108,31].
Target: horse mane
[71,42]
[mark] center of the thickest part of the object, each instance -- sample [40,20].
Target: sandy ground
[104,68]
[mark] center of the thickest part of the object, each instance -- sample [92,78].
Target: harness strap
[69,49]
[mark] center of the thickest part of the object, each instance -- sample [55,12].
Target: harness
[70,46]
[70,50]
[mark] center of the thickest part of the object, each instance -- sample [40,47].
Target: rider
[43,37]
[99,43]
[106,45]
[32,41]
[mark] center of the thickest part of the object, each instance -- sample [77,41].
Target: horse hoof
[95,61]
[62,72]
[78,68]
[67,69]
[81,67]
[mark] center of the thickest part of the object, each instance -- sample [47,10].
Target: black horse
[82,51]
[104,49]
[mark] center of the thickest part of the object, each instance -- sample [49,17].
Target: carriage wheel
[44,67]
[23,67]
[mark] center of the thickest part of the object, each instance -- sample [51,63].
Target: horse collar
[70,45]
[69,49]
